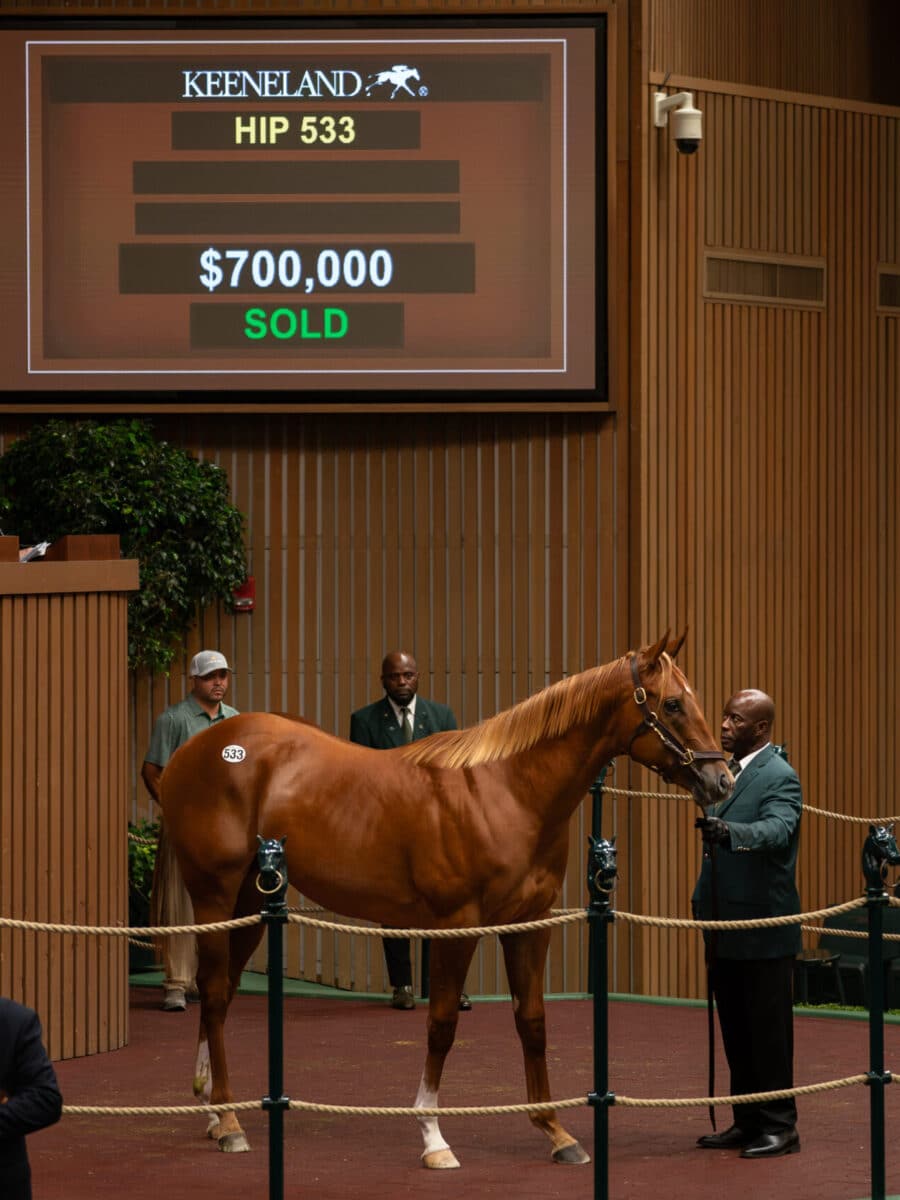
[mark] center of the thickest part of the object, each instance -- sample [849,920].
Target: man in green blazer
[400,716]
[748,872]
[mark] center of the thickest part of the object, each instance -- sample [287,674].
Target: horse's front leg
[449,963]
[525,955]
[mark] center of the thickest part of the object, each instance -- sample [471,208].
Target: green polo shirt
[178,724]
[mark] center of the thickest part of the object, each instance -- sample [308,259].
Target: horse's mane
[547,713]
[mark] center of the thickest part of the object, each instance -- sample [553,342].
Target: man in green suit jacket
[748,872]
[400,716]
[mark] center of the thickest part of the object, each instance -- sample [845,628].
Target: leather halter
[651,723]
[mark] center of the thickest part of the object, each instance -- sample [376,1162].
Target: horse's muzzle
[713,785]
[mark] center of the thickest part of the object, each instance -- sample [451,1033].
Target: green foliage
[171,512]
[142,858]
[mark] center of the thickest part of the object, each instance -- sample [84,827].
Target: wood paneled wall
[826,47]
[768,465]
[63,776]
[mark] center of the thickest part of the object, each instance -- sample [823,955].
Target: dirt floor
[341,1051]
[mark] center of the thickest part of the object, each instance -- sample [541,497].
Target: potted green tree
[172,513]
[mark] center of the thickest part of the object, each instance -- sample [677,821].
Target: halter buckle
[640,696]
[688,757]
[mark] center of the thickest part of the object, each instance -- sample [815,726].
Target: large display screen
[277,212]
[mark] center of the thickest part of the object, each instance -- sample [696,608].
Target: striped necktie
[406,725]
[734,767]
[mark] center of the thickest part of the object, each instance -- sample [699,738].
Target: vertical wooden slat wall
[768,460]
[819,46]
[486,545]
[63,786]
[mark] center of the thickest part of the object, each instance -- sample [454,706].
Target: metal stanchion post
[273,883]
[877,1077]
[601,881]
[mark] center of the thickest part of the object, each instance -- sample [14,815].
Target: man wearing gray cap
[170,902]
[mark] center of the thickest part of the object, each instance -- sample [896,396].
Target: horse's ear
[675,646]
[655,652]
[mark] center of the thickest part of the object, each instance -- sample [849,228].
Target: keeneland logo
[399,76]
[277,84]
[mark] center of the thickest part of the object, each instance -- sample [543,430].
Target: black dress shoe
[771,1145]
[465,1004]
[403,998]
[729,1139]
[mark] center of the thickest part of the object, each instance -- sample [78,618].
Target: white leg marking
[202,1076]
[203,1085]
[431,1132]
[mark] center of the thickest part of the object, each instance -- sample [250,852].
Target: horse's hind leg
[525,955]
[224,1128]
[222,957]
[450,960]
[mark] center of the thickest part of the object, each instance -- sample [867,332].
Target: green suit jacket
[376,725]
[756,875]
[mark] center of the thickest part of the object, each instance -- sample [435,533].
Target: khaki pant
[170,904]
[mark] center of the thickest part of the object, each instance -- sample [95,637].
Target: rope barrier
[133,837]
[759,923]
[561,917]
[836,816]
[492,1110]
[809,808]
[470,931]
[850,933]
[808,1089]
[146,931]
[349,1110]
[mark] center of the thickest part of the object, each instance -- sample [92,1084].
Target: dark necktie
[734,767]
[406,725]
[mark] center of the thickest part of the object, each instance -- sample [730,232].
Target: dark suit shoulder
[15,1015]
[441,715]
[776,767]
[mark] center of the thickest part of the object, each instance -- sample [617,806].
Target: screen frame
[373,398]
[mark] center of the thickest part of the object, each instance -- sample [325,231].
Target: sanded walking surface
[361,1052]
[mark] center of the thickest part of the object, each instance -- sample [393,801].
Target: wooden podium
[63,784]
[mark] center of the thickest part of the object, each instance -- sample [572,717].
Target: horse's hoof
[571,1154]
[440,1160]
[233,1143]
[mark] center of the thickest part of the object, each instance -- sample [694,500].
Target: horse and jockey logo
[399,76]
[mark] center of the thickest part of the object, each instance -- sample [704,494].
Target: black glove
[714,830]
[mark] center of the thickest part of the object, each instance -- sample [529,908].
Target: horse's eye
[672,706]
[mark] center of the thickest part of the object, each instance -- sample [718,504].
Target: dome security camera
[687,121]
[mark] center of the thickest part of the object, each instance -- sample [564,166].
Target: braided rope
[146,931]
[809,808]
[158,1110]
[493,1110]
[836,816]
[613,791]
[759,923]
[566,918]
[808,1089]
[561,917]
[133,837]
[850,933]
